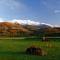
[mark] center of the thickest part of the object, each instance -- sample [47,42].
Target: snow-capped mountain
[29,22]
[17,29]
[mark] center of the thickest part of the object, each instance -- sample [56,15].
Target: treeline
[53,34]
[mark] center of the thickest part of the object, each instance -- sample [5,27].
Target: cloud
[56,11]
[1,20]
[12,5]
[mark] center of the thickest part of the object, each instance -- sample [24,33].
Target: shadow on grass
[15,54]
[12,53]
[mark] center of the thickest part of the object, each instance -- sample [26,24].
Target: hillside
[12,29]
[16,29]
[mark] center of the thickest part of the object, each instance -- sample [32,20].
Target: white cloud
[12,5]
[1,20]
[56,11]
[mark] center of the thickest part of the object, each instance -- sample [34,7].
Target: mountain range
[17,29]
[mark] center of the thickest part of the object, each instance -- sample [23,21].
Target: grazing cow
[44,39]
[36,51]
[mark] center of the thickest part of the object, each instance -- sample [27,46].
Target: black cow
[34,51]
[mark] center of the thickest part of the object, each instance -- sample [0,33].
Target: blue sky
[44,11]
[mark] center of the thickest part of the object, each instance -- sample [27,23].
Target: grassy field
[14,49]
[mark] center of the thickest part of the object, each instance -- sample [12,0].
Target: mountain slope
[16,29]
[7,28]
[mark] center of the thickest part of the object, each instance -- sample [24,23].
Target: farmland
[14,49]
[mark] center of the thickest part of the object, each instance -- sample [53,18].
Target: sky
[43,11]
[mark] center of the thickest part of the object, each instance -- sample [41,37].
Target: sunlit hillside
[16,29]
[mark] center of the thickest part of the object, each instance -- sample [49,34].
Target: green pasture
[14,49]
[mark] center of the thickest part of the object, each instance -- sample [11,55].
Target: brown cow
[36,51]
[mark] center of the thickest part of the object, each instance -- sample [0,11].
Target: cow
[36,51]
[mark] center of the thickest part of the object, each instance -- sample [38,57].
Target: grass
[14,49]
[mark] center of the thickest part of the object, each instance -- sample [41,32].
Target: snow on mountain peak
[47,24]
[27,22]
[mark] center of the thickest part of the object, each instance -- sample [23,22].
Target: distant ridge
[17,29]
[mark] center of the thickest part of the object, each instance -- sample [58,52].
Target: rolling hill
[16,29]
